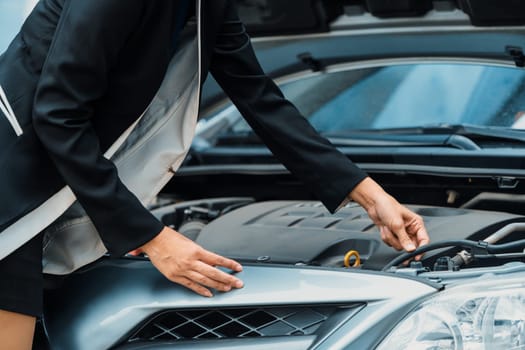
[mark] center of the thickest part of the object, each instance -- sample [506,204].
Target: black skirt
[21,279]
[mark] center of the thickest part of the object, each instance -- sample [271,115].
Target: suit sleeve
[75,75]
[326,172]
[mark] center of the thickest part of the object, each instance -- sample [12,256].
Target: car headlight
[483,315]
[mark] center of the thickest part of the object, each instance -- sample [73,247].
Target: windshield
[12,14]
[408,95]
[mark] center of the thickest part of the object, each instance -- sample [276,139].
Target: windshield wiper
[374,140]
[461,136]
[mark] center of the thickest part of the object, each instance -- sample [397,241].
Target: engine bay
[303,232]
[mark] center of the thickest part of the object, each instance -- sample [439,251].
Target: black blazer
[80,72]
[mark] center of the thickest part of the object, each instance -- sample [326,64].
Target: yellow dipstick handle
[349,255]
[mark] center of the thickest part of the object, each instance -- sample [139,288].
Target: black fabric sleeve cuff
[141,227]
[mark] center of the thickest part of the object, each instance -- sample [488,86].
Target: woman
[77,76]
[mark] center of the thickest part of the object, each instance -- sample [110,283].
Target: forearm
[325,171]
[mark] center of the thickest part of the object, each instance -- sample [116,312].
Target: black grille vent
[233,323]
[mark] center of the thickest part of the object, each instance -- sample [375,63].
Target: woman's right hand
[184,262]
[400,227]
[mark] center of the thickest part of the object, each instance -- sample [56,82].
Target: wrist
[150,246]
[366,193]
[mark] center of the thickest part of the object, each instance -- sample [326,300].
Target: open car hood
[275,17]
[298,35]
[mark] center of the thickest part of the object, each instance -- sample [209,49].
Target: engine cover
[292,232]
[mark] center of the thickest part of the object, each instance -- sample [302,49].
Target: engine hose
[490,248]
[505,247]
